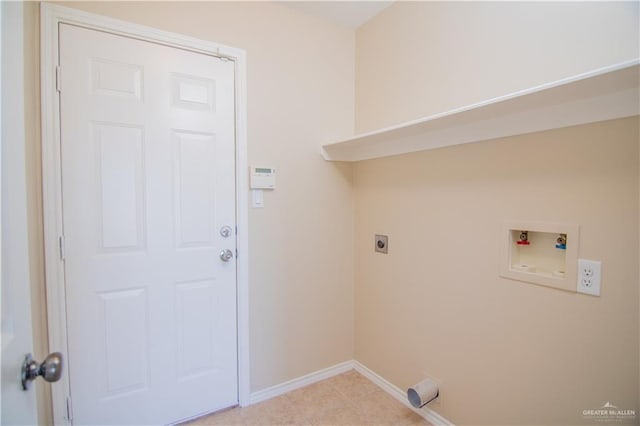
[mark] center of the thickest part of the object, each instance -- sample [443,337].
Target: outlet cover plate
[382,244]
[589,277]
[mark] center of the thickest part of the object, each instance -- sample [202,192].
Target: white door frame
[50,18]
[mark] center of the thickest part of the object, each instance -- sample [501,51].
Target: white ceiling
[346,13]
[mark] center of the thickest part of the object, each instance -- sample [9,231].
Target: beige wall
[420,58]
[506,352]
[300,92]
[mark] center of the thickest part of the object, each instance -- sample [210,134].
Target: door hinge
[69,409]
[58,78]
[61,246]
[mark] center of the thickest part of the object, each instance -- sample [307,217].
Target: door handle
[50,369]
[226,255]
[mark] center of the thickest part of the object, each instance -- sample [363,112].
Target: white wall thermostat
[263,177]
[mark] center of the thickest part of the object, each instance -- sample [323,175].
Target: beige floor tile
[227,418]
[290,419]
[409,418]
[353,385]
[382,409]
[316,399]
[346,416]
[348,399]
[376,402]
[277,405]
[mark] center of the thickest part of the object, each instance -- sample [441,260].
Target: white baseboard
[282,388]
[428,414]
[277,390]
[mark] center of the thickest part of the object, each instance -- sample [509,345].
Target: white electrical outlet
[589,276]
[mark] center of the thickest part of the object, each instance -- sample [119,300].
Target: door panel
[148,179]
[17,406]
[119,181]
[194,191]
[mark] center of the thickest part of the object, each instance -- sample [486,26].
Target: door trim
[50,18]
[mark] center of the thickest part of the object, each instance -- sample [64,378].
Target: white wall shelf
[603,94]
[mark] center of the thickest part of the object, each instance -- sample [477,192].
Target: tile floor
[346,399]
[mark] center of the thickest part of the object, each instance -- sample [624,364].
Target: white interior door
[148,184]
[18,406]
